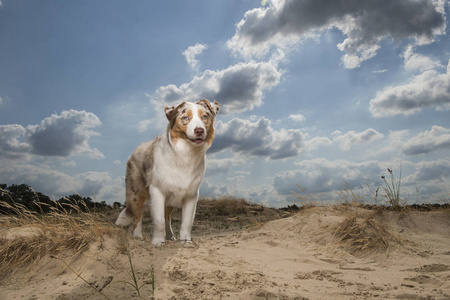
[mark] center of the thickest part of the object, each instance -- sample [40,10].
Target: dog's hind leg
[168,218]
[138,210]
[125,218]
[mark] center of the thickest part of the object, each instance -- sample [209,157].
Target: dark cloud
[432,170]
[58,135]
[364,23]
[237,88]
[257,139]
[438,138]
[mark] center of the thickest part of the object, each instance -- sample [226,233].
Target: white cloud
[116,162]
[192,52]
[414,61]
[352,138]
[58,135]
[10,146]
[237,88]
[429,89]
[438,138]
[365,23]
[297,118]
[143,125]
[321,175]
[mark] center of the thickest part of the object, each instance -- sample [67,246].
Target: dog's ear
[212,107]
[216,106]
[172,111]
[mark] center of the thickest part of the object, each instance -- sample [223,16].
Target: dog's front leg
[157,207]
[187,218]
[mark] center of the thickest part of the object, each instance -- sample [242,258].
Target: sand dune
[319,253]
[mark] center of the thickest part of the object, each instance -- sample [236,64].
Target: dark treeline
[32,200]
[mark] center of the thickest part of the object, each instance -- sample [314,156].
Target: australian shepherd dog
[166,172]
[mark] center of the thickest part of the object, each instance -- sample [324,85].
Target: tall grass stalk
[392,189]
[134,282]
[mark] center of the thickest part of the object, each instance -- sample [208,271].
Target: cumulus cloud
[58,135]
[429,89]
[191,54]
[431,171]
[237,88]
[257,139]
[321,175]
[438,138]
[10,146]
[352,138]
[365,23]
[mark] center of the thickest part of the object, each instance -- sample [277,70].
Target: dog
[166,172]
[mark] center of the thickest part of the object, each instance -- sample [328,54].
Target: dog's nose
[199,131]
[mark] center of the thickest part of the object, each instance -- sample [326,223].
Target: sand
[304,256]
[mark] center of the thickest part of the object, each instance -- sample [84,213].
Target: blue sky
[319,94]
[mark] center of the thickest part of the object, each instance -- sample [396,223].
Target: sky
[322,95]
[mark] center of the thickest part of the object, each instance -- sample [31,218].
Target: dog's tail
[125,218]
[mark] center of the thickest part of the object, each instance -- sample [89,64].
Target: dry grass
[28,236]
[362,233]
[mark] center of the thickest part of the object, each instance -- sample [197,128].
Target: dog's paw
[186,241]
[138,236]
[158,242]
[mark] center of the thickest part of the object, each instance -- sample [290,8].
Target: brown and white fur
[167,171]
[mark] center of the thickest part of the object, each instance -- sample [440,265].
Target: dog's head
[192,122]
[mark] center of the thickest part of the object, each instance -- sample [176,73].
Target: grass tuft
[363,234]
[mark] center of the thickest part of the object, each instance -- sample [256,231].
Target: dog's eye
[204,117]
[186,118]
